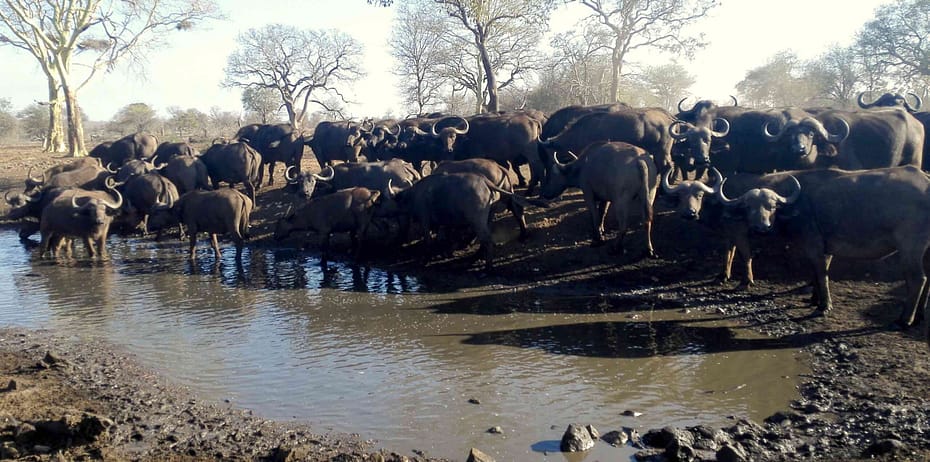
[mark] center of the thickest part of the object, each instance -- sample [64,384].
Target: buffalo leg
[46,243]
[215,245]
[621,229]
[537,172]
[89,245]
[239,244]
[261,172]
[742,248]
[192,234]
[821,270]
[916,282]
[517,211]
[728,264]
[597,209]
[250,190]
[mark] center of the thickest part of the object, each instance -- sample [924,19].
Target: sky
[742,34]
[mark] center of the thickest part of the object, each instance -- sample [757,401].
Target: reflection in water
[355,348]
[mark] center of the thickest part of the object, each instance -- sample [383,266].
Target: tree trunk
[616,67]
[55,139]
[490,78]
[75,127]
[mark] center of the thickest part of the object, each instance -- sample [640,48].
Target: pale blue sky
[742,33]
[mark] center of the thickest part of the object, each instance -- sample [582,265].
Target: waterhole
[397,359]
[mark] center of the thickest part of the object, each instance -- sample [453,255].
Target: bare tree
[666,83]
[76,39]
[897,37]
[419,56]
[503,34]
[643,24]
[303,66]
[580,59]
[837,76]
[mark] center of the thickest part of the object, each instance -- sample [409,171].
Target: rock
[578,438]
[664,437]
[630,413]
[52,359]
[91,426]
[474,401]
[885,447]
[8,451]
[677,450]
[497,430]
[476,455]
[615,438]
[12,386]
[41,449]
[733,453]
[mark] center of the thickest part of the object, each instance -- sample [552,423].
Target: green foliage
[132,118]
[188,122]
[261,104]
[33,121]
[897,37]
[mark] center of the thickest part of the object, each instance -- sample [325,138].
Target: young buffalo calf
[215,212]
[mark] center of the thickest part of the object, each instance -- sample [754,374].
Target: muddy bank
[866,396]
[64,399]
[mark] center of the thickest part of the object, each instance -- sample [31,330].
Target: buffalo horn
[370,124]
[675,131]
[830,137]
[772,137]
[725,127]
[861,101]
[718,177]
[555,157]
[35,180]
[666,186]
[735,101]
[6,197]
[110,168]
[332,174]
[794,194]
[917,103]
[119,201]
[74,202]
[723,197]
[680,109]
[291,178]
[398,131]
[462,131]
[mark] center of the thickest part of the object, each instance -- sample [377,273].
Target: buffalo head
[761,204]
[559,177]
[891,100]
[690,193]
[447,134]
[698,138]
[802,136]
[96,210]
[21,203]
[307,181]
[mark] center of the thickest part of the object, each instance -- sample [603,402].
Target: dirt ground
[865,398]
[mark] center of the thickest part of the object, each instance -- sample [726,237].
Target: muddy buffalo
[347,210]
[221,211]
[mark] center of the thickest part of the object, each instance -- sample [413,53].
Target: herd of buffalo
[846,183]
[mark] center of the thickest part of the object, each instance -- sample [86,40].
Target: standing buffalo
[276,143]
[458,199]
[609,174]
[347,210]
[143,193]
[187,173]
[337,141]
[136,146]
[851,215]
[647,128]
[221,211]
[371,175]
[233,163]
[168,150]
[508,138]
[81,215]
[498,175]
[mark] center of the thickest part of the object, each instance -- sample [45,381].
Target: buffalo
[220,211]
[609,174]
[276,143]
[187,173]
[333,141]
[233,163]
[497,175]
[371,175]
[347,210]
[34,184]
[136,146]
[168,150]
[80,214]
[849,215]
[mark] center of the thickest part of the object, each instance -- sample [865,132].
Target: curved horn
[794,195]
[769,136]
[287,174]
[370,123]
[462,131]
[735,101]
[432,129]
[110,168]
[680,109]
[6,197]
[332,174]
[35,180]
[666,186]
[74,202]
[726,127]
[861,101]
[830,137]
[398,131]
[390,189]
[676,133]
[917,102]
[119,201]
[723,197]
[160,166]
[719,180]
